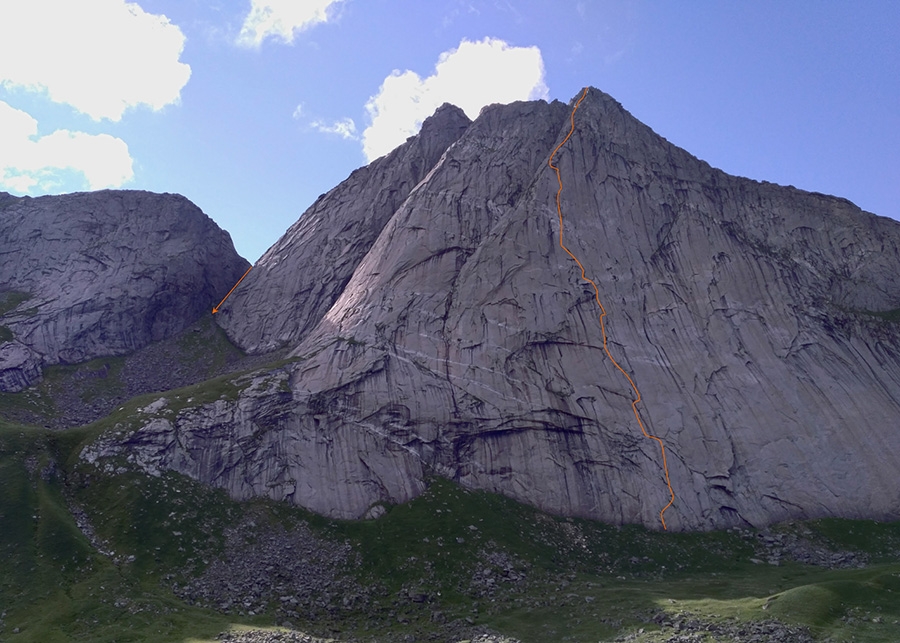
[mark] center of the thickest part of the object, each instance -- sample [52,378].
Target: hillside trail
[637,393]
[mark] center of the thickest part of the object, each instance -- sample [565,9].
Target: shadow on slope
[91,555]
[71,395]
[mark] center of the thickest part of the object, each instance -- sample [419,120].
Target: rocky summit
[437,327]
[104,273]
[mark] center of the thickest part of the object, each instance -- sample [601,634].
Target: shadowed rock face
[466,343]
[104,273]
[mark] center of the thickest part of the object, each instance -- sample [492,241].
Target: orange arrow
[216,309]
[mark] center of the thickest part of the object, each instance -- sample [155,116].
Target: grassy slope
[590,580]
[585,581]
[55,586]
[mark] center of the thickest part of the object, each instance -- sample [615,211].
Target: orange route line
[216,309]
[662,447]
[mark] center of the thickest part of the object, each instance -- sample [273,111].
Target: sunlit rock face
[451,335]
[104,273]
[299,278]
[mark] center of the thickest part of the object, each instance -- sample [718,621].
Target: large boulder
[20,367]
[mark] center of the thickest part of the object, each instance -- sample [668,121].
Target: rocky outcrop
[754,319]
[104,273]
[20,367]
[298,279]
[243,446]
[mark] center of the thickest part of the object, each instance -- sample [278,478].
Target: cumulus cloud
[344,127]
[471,76]
[30,163]
[282,19]
[101,57]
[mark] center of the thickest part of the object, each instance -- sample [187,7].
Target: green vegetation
[469,557]
[883,315]
[6,334]
[556,579]
[99,377]
[880,541]
[886,315]
[225,387]
[10,300]
[207,344]
[352,341]
[54,586]
[202,351]
[85,382]
[31,403]
[588,580]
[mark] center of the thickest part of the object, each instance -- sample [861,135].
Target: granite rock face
[298,279]
[20,367]
[755,319]
[103,273]
[253,447]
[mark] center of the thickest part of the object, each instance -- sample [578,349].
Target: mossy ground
[585,581]
[12,299]
[886,315]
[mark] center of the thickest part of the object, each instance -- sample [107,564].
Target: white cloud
[471,76]
[298,111]
[282,19]
[29,163]
[344,127]
[101,57]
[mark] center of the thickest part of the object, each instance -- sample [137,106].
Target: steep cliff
[298,279]
[754,318]
[103,273]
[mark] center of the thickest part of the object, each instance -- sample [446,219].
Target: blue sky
[252,108]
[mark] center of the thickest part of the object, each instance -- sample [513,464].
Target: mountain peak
[447,115]
[439,325]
